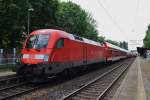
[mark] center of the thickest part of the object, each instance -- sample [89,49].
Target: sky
[119,20]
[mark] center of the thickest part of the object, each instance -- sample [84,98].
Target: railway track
[97,88]
[9,92]
[13,86]
[16,86]
[10,81]
[10,78]
[7,76]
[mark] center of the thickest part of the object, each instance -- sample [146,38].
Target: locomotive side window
[60,43]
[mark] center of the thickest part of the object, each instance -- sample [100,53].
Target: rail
[14,86]
[17,90]
[97,88]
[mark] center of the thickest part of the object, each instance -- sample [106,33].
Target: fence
[8,56]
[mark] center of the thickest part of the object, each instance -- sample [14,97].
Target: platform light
[29,10]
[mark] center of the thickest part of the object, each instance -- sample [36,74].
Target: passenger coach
[114,53]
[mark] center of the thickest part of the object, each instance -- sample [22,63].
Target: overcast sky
[120,20]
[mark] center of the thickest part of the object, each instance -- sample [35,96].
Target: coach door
[84,53]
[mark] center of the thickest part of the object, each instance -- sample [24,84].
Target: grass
[7,67]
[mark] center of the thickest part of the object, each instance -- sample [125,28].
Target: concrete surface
[7,73]
[136,84]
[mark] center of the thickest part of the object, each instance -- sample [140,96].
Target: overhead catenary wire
[136,14]
[100,24]
[111,18]
[138,42]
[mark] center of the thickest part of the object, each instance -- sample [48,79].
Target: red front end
[37,48]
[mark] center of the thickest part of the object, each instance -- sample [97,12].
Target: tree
[44,14]
[146,40]
[73,19]
[113,42]
[13,19]
[91,31]
[101,39]
[124,45]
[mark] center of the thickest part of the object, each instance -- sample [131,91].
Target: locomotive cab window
[60,43]
[38,41]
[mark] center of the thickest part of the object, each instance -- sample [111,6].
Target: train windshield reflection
[39,41]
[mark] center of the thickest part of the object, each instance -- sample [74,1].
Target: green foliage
[101,39]
[66,16]
[73,19]
[47,14]
[147,38]
[113,42]
[14,15]
[7,67]
[91,32]
[124,45]
[44,14]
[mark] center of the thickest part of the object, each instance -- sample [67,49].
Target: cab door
[84,53]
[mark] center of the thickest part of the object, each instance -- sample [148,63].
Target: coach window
[60,43]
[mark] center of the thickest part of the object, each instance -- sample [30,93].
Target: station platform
[136,84]
[7,73]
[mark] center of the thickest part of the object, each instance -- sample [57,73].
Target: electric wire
[111,18]
[134,22]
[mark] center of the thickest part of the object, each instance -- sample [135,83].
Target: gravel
[60,87]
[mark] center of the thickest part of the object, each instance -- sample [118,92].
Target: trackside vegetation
[146,40]
[7,67]
[54,14]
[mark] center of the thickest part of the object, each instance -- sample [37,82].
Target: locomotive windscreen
[39,41]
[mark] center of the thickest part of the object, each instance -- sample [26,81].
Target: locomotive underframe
[49,69]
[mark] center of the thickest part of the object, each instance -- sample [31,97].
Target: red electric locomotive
[48,52]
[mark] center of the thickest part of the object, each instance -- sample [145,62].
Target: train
[48,52]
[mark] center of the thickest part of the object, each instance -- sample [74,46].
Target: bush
[7,67]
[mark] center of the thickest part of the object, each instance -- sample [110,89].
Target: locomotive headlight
[39,56]
[42,56]
[25,56]
[46,58]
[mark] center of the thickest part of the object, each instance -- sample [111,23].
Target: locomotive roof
[68,35]
[85,40]
[43,31]
[91,42]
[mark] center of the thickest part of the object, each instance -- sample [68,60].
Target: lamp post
[29,10]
